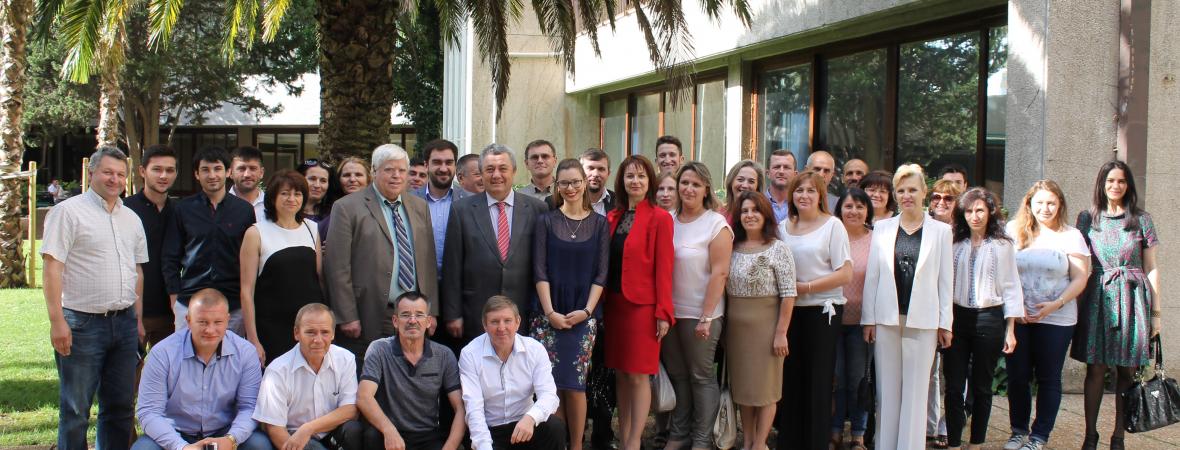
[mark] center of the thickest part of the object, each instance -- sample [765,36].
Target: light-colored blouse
[854,291]
[769,272]
[819,253]
[1044,270]
[986,276]
[691,271]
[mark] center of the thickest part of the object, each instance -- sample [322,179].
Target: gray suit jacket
[472,269]
[359,260]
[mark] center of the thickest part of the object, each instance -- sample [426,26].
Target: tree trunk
[109,102]
[14,27]
[356,77]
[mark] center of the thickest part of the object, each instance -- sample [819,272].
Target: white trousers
[903,358]
[935,420]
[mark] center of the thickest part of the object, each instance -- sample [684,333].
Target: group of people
[345,308]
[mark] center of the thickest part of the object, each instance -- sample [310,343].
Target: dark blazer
[472,269]
[648,256]
[359,259]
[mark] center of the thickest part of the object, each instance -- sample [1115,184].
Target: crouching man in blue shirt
[199,385]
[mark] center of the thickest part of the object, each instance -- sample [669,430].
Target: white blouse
[817,254]
[986,276]
[690,273]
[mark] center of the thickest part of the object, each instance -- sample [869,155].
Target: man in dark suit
[380,245]
[489,247]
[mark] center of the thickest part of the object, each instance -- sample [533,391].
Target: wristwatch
[706,319]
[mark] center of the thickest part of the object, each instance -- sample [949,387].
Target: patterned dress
[1114,316]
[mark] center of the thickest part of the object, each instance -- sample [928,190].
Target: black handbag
[864,392]
[1154,403]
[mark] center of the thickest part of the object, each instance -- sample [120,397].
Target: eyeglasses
[935,198]
[420,317]
[566,184]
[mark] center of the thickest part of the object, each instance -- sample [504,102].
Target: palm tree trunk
[14,27]
[356,78]
[109,102]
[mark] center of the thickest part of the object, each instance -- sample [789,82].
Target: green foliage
[56,106]
[418,72]
[938,98]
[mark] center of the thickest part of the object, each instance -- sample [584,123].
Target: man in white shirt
[93,250]
[308,395]
[500,372]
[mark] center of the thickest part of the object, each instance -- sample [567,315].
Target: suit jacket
[472,269]
[930,301]
[648,256]
[359,260]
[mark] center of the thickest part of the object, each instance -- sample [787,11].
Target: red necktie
[502,232]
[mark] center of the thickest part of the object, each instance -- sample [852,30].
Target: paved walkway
[1070,428]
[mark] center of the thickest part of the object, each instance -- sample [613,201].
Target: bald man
[854,170]
[822,162]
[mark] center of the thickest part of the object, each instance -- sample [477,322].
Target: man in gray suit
[489,247]
[380,245]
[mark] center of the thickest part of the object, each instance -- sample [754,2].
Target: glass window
[311,146]
[996,137]
[411,141]
[852,124]
[265,142]
[645,125]
[614,129]
[709,135]
[785,106]
[938,103]
[677,122]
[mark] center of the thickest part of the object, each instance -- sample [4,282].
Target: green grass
[28,377]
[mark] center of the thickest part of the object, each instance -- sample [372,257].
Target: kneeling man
[403,378]
[308,395]
[501,371]
[199,385]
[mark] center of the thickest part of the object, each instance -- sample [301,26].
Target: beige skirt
[755,373]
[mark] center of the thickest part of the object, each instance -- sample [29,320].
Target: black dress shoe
[1116,443]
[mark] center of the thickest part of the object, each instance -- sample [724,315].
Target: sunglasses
[935,198]
[315,162]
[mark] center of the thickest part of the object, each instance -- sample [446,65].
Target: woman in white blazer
[906,309]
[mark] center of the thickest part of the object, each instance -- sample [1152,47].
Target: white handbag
[725,428]
[663,396]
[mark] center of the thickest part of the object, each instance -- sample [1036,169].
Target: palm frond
[741,9]
[162,17]
[490,20]
[590,14]
[272,17]
[240,15]
[556,19]
[113,33]
[452,15]
[80,22]
[675,46]
[47,11]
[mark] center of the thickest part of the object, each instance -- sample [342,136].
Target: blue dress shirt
[440,211]
[179,393]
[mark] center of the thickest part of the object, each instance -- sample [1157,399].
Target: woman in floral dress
[570,255]
[1121,309]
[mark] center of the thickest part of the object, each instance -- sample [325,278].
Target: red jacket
[648,256]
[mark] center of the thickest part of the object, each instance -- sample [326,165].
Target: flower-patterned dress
[571,255]
[1114,315]
[757,283]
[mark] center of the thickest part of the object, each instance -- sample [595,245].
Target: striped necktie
[502,232]
[405,253]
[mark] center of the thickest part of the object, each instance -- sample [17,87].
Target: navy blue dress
[571,255]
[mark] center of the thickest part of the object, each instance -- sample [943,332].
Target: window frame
[631,95]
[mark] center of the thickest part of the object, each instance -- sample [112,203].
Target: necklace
[574,234]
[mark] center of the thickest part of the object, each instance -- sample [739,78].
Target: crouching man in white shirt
[500,371]
[308,395]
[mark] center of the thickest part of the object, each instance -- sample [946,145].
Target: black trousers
[975,349]
[549,435]
[804,418]
[424,440]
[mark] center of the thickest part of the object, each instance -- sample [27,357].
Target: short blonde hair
[947,187]
[907,171]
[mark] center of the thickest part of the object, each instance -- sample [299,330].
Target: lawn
[28,377]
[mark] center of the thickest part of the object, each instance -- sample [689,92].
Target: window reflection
[938,103]
[614,130]
[645,125]
[853,121]
[709,139]
[996,138]
[785,104]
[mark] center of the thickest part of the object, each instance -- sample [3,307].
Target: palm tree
[356,47]
[14,25]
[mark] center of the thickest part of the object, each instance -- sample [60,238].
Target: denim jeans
[1040,351]
[851,358]
[257,441]
[103,358]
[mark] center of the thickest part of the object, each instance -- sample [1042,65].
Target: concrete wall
[1063,77]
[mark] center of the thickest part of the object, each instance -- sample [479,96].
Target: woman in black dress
[280,267]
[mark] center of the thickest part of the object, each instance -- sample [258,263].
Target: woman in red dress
[639,293]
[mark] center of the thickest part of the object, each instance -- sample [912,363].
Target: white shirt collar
[509,200]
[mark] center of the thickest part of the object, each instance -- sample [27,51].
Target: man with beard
[154,208]
[439,193]
[854,170]
[247,172]
[596,164]
[669,154]
[781,169]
